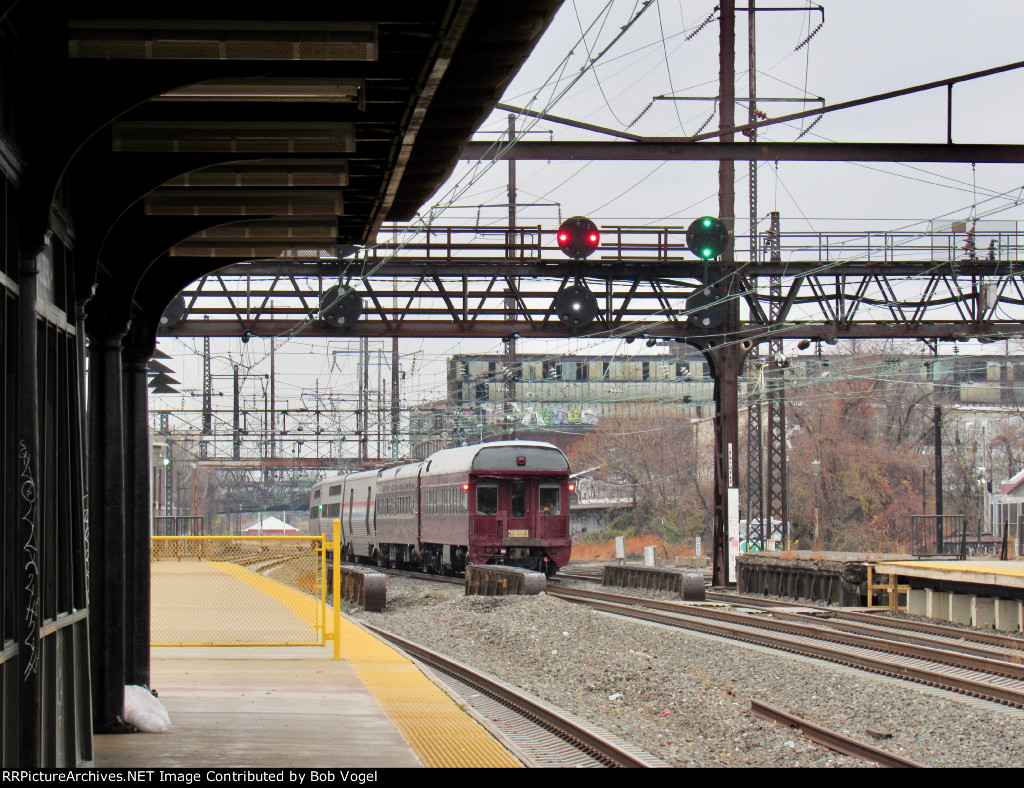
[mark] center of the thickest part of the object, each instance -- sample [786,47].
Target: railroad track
[998,675]
[979,664]
[898,627]
[575,743]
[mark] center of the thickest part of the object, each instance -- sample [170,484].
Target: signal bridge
[948,283]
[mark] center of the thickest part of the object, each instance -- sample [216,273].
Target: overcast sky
[865,47]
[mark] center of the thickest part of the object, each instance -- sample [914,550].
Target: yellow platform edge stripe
[440,733]
[950,566]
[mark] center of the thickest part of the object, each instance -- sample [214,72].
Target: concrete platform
[287,706]
[1000,574]
[814,575]
[260,707]
[988,594]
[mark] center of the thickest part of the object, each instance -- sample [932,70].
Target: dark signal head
[578,237]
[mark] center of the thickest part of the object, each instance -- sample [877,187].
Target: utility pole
[236,435]
[509,362]
[395,401]
[273,401]
[363,422]
[758,532]
[937,417]
[207,428]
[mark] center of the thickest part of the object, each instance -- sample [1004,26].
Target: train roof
[401,471]
[339,478]
[465,458]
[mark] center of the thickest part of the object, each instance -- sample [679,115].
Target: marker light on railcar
[572,487]
[465,486]
[520,461]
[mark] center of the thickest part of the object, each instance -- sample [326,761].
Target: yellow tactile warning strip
[439,732]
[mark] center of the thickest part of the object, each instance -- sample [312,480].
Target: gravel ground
[685,698]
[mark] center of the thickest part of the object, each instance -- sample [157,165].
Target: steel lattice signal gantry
[950,284]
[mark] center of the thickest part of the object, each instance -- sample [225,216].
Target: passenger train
[493,503]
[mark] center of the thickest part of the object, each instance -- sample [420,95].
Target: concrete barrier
[365,587]
[691,562]
[493,580]
[689,585]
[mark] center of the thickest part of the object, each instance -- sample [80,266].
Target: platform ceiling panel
[370,102]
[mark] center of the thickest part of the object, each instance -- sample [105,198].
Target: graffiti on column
[85,542]
[31,552]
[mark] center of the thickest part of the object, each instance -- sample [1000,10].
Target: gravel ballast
[684,697]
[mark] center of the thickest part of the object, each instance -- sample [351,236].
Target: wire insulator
[710,18]
[642,113]
[704,125]
[815,123]
[811,35]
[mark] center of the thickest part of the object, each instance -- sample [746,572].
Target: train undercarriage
[450,559]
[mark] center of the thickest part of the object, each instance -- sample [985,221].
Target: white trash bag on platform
[144,711]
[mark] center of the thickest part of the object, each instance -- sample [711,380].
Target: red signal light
[578,237]
[520,461]
[465,486]
[572,487]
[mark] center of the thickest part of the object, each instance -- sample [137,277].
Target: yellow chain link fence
[238,591]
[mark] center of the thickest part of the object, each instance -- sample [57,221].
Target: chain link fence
[238,591]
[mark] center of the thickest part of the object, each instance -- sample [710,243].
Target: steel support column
[726,355]
[726,363]
[28,562]
[107,531]
[756,532]
[137,519]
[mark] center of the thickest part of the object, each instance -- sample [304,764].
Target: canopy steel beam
[682,150]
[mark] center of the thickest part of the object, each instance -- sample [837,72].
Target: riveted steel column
[725,353]
[107,530]
[137,520]
[29,610]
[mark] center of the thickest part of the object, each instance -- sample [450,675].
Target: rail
[831,739]
[604,748]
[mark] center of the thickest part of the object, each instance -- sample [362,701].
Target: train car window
[314,512]
[487,499]
[550,499]
[518,499]
[316,495]
[333,510]
[334,490]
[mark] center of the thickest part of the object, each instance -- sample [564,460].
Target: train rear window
[487,499]
[550,499]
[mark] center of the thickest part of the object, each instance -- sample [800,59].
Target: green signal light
[707,237]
